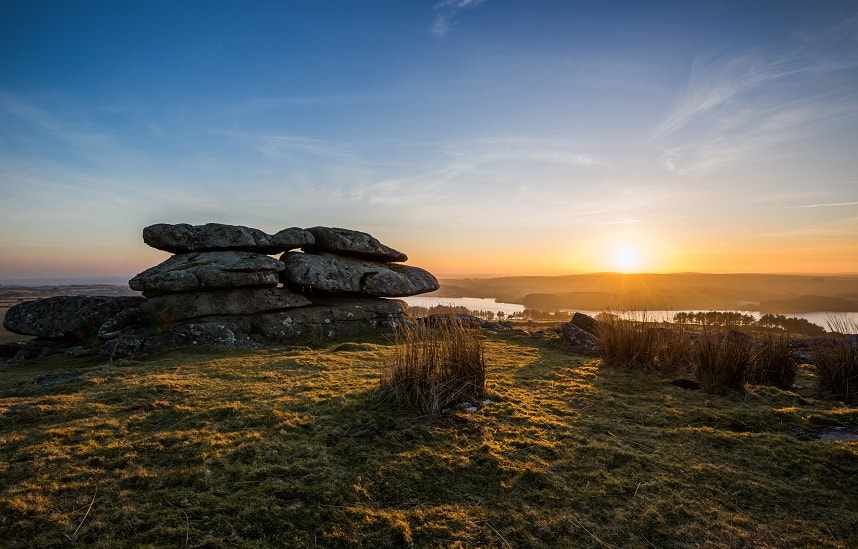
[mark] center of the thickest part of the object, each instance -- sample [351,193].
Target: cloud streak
[447,14]
[740,107]
[830,205]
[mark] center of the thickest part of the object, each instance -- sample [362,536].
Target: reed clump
[835,360]
[721,361]
[631,340]
[436,366]
[773,363]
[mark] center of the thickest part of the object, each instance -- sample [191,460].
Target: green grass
[297,448]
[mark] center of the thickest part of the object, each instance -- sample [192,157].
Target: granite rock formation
[221,287]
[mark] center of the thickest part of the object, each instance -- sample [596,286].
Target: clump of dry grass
[721,361]
[835,360]
[435,367]
[774,362]
[625,340]
[630,340]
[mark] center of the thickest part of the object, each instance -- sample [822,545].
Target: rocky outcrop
[340,274]
[221,287]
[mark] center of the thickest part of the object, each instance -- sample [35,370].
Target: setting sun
[626,259]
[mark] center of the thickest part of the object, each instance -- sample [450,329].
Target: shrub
[773,363]
[835,360]
[721,361]
[435,367]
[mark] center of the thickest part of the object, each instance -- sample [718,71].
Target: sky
[480,137]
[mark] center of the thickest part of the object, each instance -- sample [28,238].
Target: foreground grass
[296,447]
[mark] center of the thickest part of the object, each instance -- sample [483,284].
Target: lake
[489,304]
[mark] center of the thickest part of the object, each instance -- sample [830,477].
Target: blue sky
[480,137]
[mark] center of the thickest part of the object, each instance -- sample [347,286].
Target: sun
[626,259]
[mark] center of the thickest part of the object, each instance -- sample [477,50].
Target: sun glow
[626,259]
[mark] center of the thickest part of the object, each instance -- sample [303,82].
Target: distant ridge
[776,293]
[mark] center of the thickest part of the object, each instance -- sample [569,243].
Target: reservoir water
[819,318]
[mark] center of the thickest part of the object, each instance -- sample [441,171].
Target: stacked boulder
[222,286]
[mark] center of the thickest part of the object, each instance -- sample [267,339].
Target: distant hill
[752,292]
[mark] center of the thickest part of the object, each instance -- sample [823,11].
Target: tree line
[725,319]
[793,325]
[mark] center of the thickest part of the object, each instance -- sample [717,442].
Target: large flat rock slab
[169,308]
[352,243]
[66,317]
[333,273]
[183,238]
[208,270]
[330,318]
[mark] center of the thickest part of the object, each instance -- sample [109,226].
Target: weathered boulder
[334,273]
[183,238]
[353,243]
[208,270]
[66,317]
[578,337]
[330,318]
[170,308]
[586,323]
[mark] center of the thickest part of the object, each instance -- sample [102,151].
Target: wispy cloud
[831,205]
[743,106]
[447,13]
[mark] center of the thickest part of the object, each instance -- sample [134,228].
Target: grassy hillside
[780,293]
[296,447]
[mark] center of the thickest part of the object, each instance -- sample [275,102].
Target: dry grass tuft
[836,360]
[774,362]
[630,340]
[436,367]
[721,361]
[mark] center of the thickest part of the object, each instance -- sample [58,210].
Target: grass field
[296,447]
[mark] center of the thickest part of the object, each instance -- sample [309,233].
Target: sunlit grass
[296,447]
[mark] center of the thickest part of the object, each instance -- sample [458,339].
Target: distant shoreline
[83,281]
